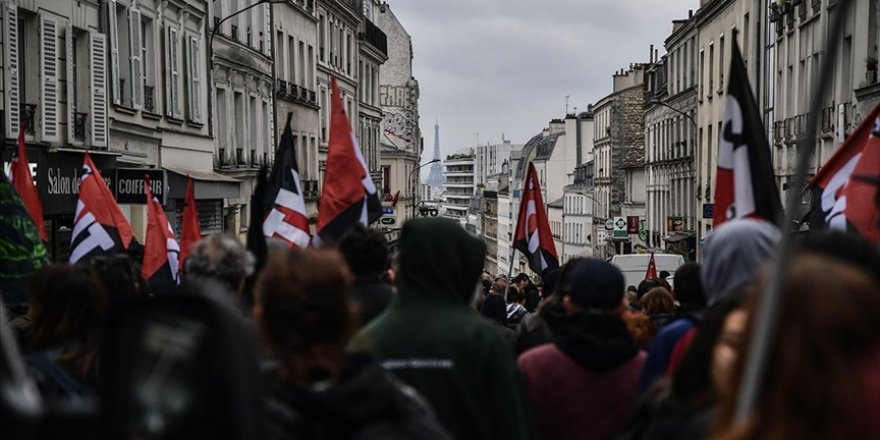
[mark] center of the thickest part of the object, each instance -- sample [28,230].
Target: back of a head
[849,247]
[220,257]
[366,251]
[658,301]
[67,302]
[494,308]
[828,341]
[515,295]
[439,258]
[593,284]
[645,286]
[500,286]
[115,272]
[551,281]
[688,287]
[734,253]
[302,300]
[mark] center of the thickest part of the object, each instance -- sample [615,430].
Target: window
[13,55]
[239,115]
[148,57]
[222,135]
[711,71]
[172,71]
[49,73]
[322,35]
[310,82]
[253,129]
[267,146]
[325,114]
[301,77]
[291,60]
[194,78]
[720,63]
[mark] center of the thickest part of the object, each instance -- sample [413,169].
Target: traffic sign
[609,224]
[620,227]
[708,210]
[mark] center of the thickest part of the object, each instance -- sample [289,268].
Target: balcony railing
[310,189]
[28,118]
[149,99]
[79,126]
[375,37]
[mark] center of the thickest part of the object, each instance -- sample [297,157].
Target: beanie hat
[593,284]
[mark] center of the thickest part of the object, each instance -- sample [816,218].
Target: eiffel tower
[435,177]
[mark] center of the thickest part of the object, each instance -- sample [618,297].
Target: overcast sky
[505,66]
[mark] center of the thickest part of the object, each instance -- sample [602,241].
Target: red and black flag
[533,237]
[161,252]
[651,273]
[190,229]
[284,207]
[845,188]
[745,185]
[23,182]
[99,226]
[349,195]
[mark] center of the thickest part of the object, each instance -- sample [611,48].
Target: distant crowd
[358,342]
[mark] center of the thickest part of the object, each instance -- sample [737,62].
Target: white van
[634,266]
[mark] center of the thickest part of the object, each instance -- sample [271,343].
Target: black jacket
[366,404]
[372,297]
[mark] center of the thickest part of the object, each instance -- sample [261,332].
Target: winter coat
[585,385]
[515,313]
[537,328]
[660,351]
[662,417]
[430,338]
[372,297]
[367,403]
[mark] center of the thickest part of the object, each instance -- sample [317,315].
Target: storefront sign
[674,224]
[620,228]
[129,185]
[632,225]
[57,179]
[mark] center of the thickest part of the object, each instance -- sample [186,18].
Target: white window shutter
[10,70]
[114,52]
[71,83]
[137,63]
[48,79]
[98,92]
[172,69]
[193,78]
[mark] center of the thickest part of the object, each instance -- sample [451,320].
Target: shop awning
[675,237]
[206,184]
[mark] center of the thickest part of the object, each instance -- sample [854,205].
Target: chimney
[690,14]
[651,55]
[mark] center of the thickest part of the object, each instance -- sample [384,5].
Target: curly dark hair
[366,251]
[303,297]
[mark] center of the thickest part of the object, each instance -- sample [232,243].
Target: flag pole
[758,351]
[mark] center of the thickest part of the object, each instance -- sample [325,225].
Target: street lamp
[409,178]
[656,101]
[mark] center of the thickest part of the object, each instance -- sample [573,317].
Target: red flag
[349,195]
[190,230]
[161,251]
[745,185]
[99,225]
[23,182]
[395,199]
[844,200]
[533,237]
[651,273]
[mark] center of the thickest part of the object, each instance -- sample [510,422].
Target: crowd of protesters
[361,343]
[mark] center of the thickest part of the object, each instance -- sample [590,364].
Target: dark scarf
[597,340]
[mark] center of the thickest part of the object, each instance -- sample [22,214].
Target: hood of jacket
[598,341]
[733,255]
[438,259]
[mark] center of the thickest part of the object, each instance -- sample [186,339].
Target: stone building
[670,141]
[295,30]
[577,215]
[398,98]
[801,36]
[373,52]
[620,156]
[242,51]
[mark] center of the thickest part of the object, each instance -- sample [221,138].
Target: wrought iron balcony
[374,36]
[28,118]
[79,126]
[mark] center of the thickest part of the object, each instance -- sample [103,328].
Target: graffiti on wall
[399,104]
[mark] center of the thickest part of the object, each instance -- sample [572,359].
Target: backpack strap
[58,375]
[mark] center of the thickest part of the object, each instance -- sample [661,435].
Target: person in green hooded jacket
[430,339]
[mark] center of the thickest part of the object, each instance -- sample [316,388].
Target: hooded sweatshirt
[431,340]
[733,255]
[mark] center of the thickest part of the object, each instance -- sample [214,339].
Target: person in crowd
[221,258]
[486,288]
[656,307]
[584,385]
[369,259]
[495,311]
[530,291]
[67,308]
[733,255]
[631,297]
[681,407]
[851,248]
[646,285]
[516,311]
[691,299]
[115,271]
[820,380]
[664,274]
[430,339]
[317,390]
[537,328]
